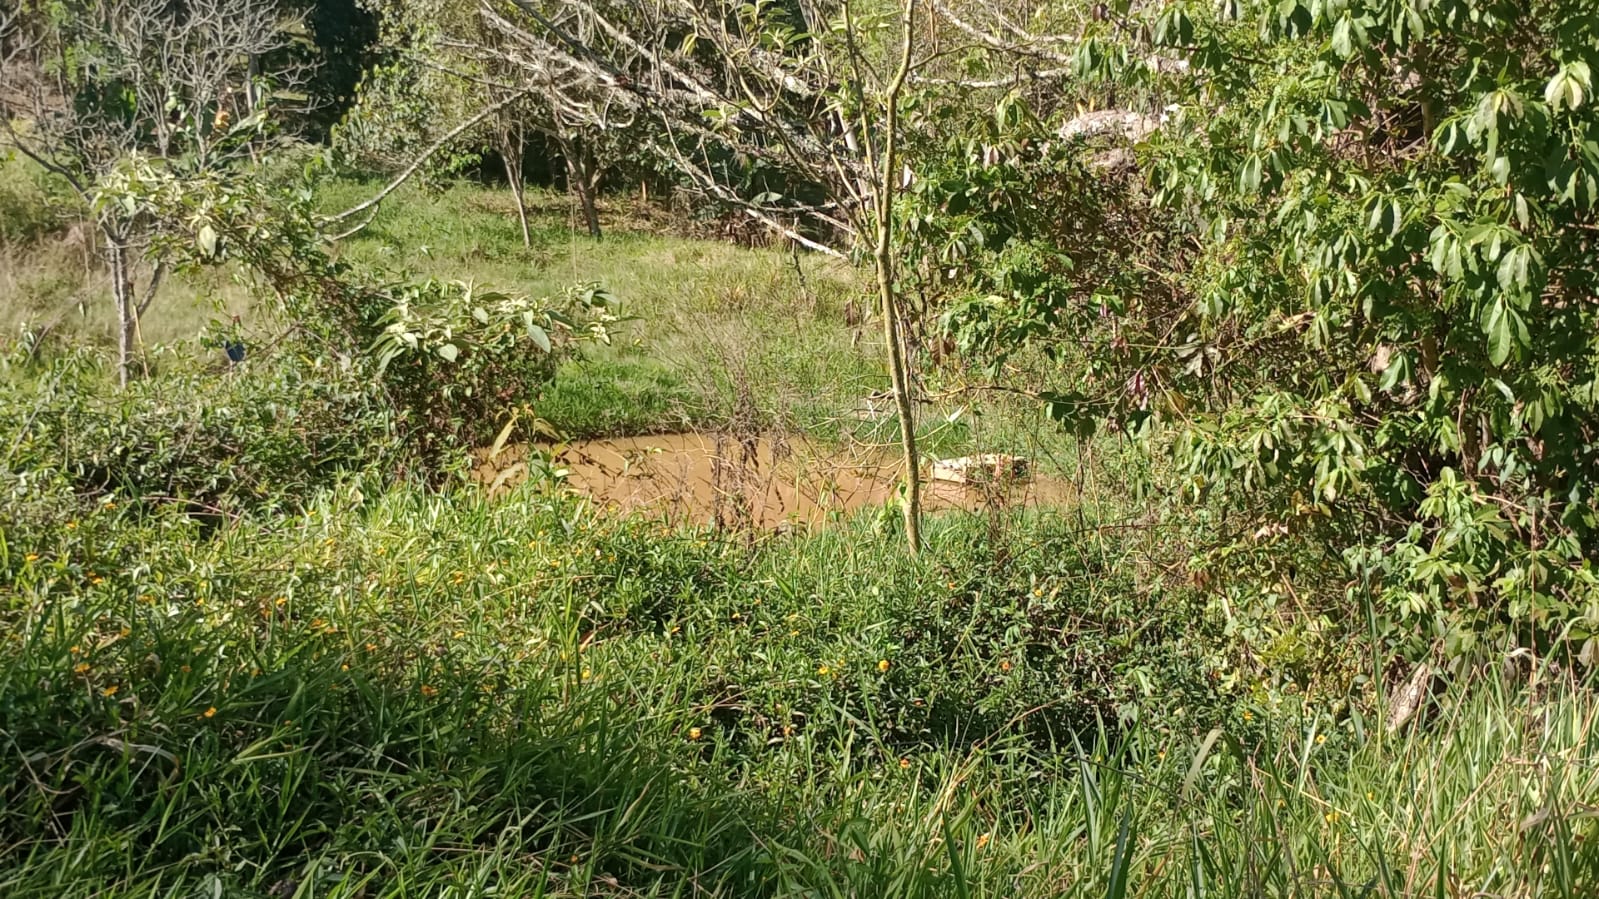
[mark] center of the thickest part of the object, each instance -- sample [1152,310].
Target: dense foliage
[1365,318]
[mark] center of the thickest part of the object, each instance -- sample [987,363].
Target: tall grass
[409,694]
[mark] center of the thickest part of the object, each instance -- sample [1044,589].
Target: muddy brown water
[763,482]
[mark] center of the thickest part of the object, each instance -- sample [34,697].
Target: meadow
[347,684]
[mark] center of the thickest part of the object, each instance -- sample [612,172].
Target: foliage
[407,691]
[458,358]
[213,443]
[451,361]
[1371,330]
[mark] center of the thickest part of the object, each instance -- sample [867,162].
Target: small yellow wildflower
[1004,665]
[824,671]
[459,634]
[371,647]
[80,668]
[1248,715]
[982,840]
[110,691]
[694,733]
[344,667]
[76,650]
[97,582]
[1331,817]
[904,763]
[209,713]
[882,664]
[429,690]
[31,557]
[72,525]
[1320,739]
[280,600]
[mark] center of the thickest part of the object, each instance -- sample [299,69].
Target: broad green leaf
[449,352]
[540,337]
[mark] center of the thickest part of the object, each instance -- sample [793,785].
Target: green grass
[367,689]
[418,695]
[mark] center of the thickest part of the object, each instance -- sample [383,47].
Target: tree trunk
[580,178]
[882,256]
[511,154]
[126,309]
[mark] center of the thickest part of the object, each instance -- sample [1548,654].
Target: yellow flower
[110,691]
[429,691]
[882,665]
[904,763]
[1248,715]
[32,557]
[80,668]
[982,840]
[1332,817]
[1004,665]
[209,713]
[97,582]
[72,525]
[823,671]
[1320,739]
[694,733]
[76,650]
[371,647]
[280,600]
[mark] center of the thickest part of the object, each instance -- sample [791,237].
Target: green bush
[213,442]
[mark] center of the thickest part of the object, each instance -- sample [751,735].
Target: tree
[788,112]
[87,85]
[1354,303]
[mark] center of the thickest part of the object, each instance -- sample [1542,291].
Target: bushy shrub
[216,442]
[451,360]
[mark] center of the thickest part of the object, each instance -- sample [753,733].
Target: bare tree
[788,112]
[88,86]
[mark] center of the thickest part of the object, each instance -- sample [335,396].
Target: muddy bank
[761,482]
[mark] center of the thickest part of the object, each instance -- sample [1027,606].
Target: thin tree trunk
[580,178]
[882,255]
[513,173]
[127,315]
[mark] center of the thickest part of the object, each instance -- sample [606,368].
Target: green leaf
[1496,326]
[539,336]
[449,352]
[1341,40]
[208,240]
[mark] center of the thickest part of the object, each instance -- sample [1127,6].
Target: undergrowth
[413,694]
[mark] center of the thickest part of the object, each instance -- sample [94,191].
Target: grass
[368,689]
[418,695]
